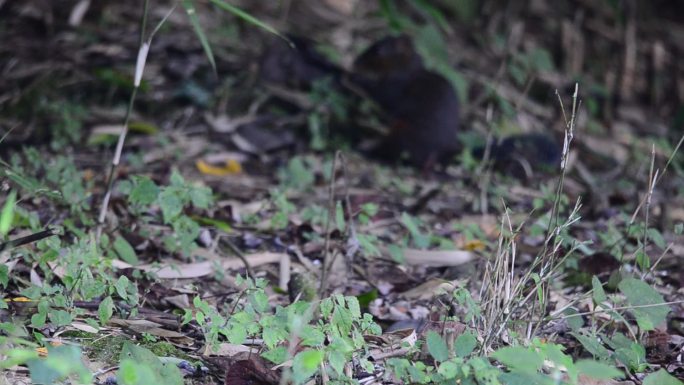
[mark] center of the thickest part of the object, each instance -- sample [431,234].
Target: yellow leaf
[475,245]
[229,167]
[18,299]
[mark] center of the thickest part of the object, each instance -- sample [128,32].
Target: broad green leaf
[593,346]
[305,364]
[201,197]
[465,344]
[17,356]
[60,317]
[7,213]
[237,334]
[436,346]
[60,362]
[259,300]
[134,373]
[519,358]
[599,295]
[277,355]
[125,251]
[105,310]
[597,370]
[147,368]
[337,360]
[121,287]
[354,307]
[144,191]
[661,377]
[575,321]
[448,369]
[170,203]
[639,293]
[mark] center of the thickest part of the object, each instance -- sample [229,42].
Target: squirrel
[421,106]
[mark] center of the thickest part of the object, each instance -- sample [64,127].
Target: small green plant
[328,331]
[55,178]
[144,196]
[298,174]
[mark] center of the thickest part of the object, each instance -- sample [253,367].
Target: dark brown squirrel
[422,106]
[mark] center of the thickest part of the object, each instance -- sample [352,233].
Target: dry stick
[649,195]
[327,261]
[144,47]
[352,241]
[28,239]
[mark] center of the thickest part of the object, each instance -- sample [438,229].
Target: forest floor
[247,241]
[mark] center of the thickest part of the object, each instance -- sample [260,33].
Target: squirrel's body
[422,106]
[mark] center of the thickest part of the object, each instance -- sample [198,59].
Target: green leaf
[519,358]
[593,346]
[121,287]
[277,355]
[144,191]
[639,293]
[170,203]
[237,334]
[185,231]
[38,319]
[60,317]
[142,367]
[7,213]
[397,253]
[337,360]
[125,251]
[597,370]
[4,275]
[259,300]
[436,346]
[420,240]
[201,197]
[465,344]
[657,237]
[661,377]
[599,295]
[354,307]
[574,320]
[219,224]
[305,364]
[61,361]
[339,216]
[449,369]
[105,310]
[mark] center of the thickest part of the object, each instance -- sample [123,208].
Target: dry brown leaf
[225,350]
[429,289]
[437,258]
[202,269]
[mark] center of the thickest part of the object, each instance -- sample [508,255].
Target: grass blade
[192,14]
[7,213]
